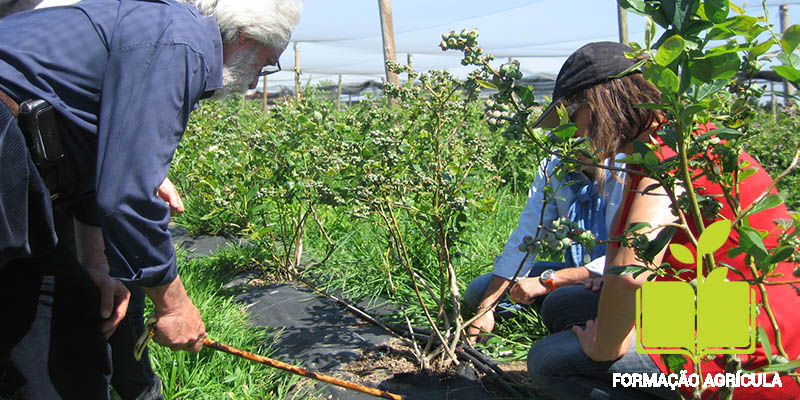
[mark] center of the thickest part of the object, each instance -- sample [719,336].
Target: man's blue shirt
[124,76]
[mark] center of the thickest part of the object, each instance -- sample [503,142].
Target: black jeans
[51,346]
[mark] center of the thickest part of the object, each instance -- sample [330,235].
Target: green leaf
[656,245]
[740,24]
[525,95]
[681,253]
[674,362]
[780,254]
[713,237]
[637,6]
[651,160]
[771,201]
[760,49]
[746,173]
[751,241]
[708,89]
[564,132]
[670,50]
[790,39]
[625,269]
[791,366]
[723,66]
[692,110]
[636,226]
[787,71]
[679,12]
[662,78]
[716,10]
[487,84]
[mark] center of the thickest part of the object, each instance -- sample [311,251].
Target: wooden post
[339,94]
[264,99]
[788,89]
[622,16]
[774,101]
[387,29]
[410,63]
[297,70]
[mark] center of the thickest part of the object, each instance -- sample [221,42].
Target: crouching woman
[579,362]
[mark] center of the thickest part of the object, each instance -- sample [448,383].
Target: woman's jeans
[558,366]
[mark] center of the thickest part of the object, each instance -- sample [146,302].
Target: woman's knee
[547,356]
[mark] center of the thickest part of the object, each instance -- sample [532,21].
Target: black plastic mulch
[316,333]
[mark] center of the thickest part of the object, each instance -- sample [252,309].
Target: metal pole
[788,89]
[339,94]
[297,70]
[623,24]
[387,29]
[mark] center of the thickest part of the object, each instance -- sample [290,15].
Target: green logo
[719,317]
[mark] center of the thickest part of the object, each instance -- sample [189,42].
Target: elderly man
[102,90]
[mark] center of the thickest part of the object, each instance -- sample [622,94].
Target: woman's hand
[593,283]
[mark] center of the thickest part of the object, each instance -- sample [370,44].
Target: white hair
[268,21]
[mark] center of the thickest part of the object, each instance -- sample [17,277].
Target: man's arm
[497,287]
[179,326]
[114,295]
[507,264]
[526,290]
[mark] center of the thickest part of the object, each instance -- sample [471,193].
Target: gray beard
[237,75]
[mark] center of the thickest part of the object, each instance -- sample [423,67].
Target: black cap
[591,64]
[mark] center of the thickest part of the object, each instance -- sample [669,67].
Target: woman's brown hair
[615,118]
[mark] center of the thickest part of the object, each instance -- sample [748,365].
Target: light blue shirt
[506,264]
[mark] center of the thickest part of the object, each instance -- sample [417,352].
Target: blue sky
[344,36]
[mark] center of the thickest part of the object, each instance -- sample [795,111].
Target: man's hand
[477,331]
[114,297]
[169,194]
[179,326]
[526,290]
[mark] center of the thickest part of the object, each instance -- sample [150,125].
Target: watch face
[547,274]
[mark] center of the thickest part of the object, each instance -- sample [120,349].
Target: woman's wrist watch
[547,279]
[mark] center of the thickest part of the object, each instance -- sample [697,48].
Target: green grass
[211,374]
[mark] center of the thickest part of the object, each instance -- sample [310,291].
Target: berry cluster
[497,114]
[466,41]
[510,70]
[551,244]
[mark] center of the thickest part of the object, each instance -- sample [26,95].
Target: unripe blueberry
[443,45]
[796,272]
